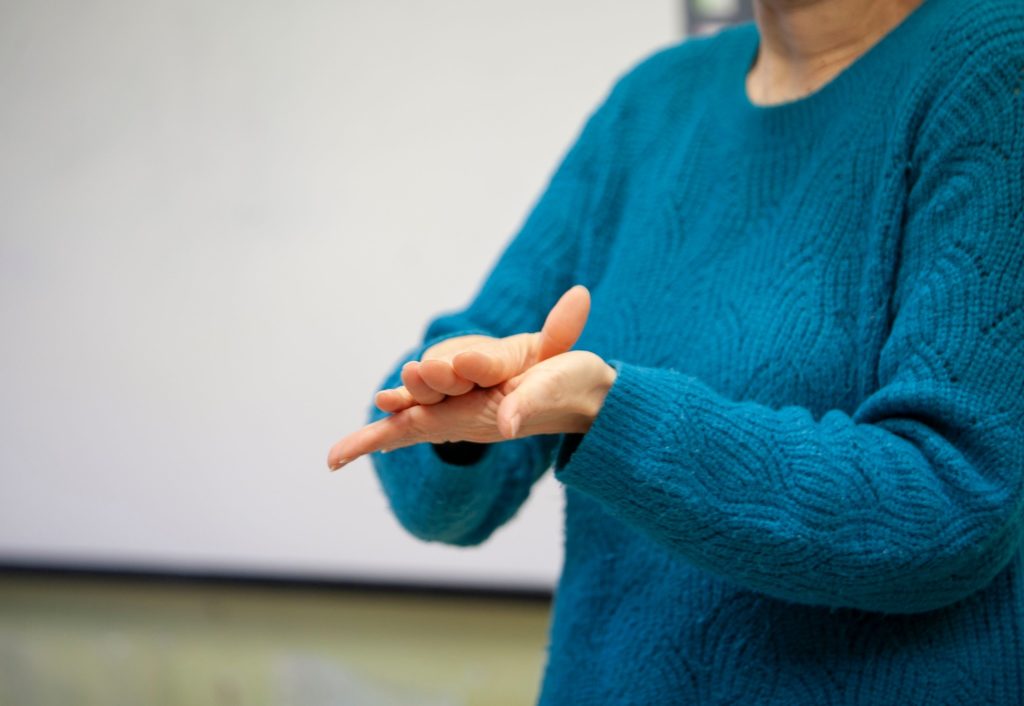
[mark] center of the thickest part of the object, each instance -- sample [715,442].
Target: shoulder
[658,94]
[966,157]
[982,20]
[650,100]
[685,65]
[970,74]
[971,36]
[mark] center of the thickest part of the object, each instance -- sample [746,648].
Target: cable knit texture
[806,485]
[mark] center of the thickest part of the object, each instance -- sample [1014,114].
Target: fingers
[485,369]
[440,376]
[565,322]
[424,382]
[558,395]
[394,400]
[382,434]
[489,361]
[469,417]
[517,404]
[417,387]
[510,416]
[492,362]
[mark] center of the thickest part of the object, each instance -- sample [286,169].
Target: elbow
[441,529]
[956,571]
[432,503]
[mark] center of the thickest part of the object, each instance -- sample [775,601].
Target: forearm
[839,511]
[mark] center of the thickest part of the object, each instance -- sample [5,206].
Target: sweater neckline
[843,91]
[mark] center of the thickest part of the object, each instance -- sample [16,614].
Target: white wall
[222,223]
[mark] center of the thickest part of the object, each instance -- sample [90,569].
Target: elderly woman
[790,421]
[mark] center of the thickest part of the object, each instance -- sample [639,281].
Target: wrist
[606,379]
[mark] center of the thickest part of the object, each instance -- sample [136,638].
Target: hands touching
[485,389]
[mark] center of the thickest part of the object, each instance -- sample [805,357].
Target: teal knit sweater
[806,485]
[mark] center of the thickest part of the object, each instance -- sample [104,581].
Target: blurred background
[223,223]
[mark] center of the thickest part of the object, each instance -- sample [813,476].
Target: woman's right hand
[458,365]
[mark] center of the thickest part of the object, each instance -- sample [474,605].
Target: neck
[806,43]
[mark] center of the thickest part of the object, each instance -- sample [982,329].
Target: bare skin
[806,43]
[484,389]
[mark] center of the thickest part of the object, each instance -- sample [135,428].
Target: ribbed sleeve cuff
[609,459]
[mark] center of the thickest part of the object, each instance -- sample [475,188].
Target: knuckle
[409,378]
[405,423]
[416,423]
[555,387]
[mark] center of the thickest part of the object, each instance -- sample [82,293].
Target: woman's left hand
[562,394]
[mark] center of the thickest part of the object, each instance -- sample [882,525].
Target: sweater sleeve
[460,493]
[916,499]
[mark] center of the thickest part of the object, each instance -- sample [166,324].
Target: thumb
[512,410]
[532,399]
[564,323]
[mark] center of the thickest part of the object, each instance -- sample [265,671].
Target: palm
[555,396]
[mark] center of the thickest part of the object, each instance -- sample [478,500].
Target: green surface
[112,641]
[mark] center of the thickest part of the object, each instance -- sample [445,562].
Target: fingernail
[341,462]
[515,424]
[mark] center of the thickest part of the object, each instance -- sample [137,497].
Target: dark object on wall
[707,16]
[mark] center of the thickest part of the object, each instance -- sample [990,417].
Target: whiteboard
[223,223]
